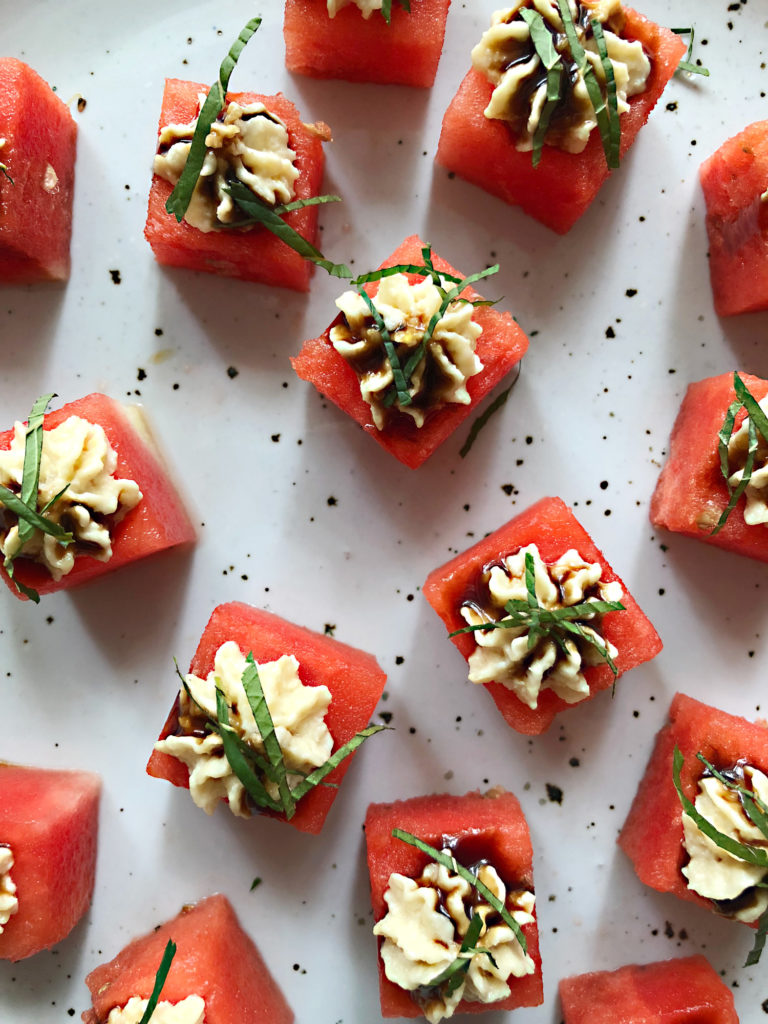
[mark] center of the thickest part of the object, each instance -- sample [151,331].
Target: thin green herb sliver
[550,58]
[160,979]
[266,727]
[454,973]
[238,761]
[610,88]
[757,422]
[756,810]
[687,65]
[316,777]
[4,172]
[482,419]
[759,944]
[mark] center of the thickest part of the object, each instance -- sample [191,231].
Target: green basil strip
[454,973]
[263,718]
[180,198]
[756,421]
[4,171]
[739,850]
[610,86]
[754,411]
[481,420]
[753,805]
[759,945]
[724,436]
[33,520]
[252,784]
[400,380]
[550,58]
[299,204]
[386,10]
[160,979]
[686,64]
[33,454]
[317,776]
[452,865]
[404,268]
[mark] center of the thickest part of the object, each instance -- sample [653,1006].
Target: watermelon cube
[682,991]
[691,493]
[464,583]
[215,961]
[250,255]
[38,138]
[559,190]
[500,346]
[353,678]
[366,49]
[476,827]
[735,184]
[158,522]
[49,823]
[652,836]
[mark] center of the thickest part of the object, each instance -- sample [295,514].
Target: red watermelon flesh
[652,836]
[491,826]
[550,525]
[215,959]
[256,254]
[560,189]
[500,347]
[50,820]
[358,49]
[39,152]
[691,493]
[160,520]
[682,991]
[734,180]
[354,678]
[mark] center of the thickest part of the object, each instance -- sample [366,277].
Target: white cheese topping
[79,454]
[406,310]
[366,6]
[298,713]
[507,56]
[715,873]
[503,655]
[756,493]
[9,904]
[189,1011]
[248,143]
[422,937]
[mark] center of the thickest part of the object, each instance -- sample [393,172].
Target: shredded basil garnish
[482,419]
[757,423]
[160,979]
[687,64]
[386,8]
[550,58]
[455,972]
[4,172]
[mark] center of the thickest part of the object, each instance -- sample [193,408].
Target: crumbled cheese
[503,655]
[507,56]
[422,937]
[248,143]
[366,6]
[9,904]
[189,1011]
[715,873]
[756,493]
[77,453]
[406,309]
[298,713]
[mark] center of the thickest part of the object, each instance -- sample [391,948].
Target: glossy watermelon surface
[653,832]
[215,959]
[160,520]
[691,492]
[734,181]
[354,678]
[349,46]
[682,991]
[39,152]
[500,347]
[50,820]
[490,825]
[553,528]
[560,189]
[256,254]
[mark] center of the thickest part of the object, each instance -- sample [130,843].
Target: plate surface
[300,513]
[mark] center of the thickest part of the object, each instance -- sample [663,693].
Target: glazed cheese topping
[503,655]
[298,713]
[425,923]
[9,904]
[248,143]
[76,453]
[189,1011]
[507,56]
[715,873]
[449,359]
[756,493]
[366,6]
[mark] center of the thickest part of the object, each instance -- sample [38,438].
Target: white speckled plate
[621,319]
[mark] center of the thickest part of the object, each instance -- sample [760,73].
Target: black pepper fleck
[232,372]
[554,793]
[141,374]
[115,275]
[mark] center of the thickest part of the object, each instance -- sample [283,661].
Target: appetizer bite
[556,95]
[682,991]
[413,351]
[199,968]
[83,491]
[386,41]
[49,824]
[540,615]
[38,139]
[735,185]
[267,718]
[698,826]
[714,484]
[236,182]
[453,899]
